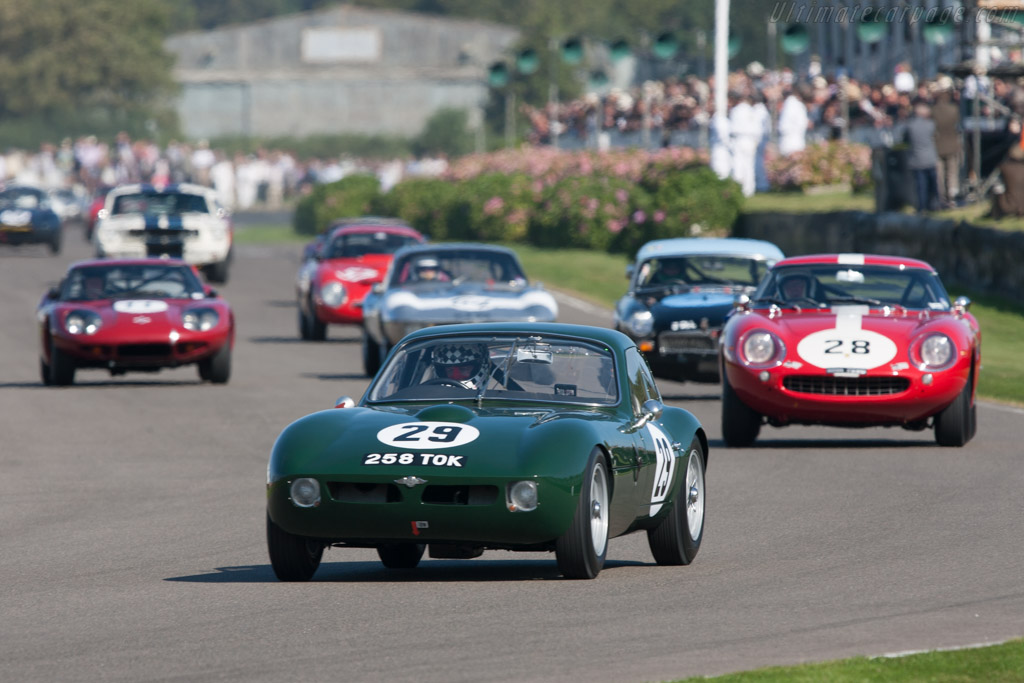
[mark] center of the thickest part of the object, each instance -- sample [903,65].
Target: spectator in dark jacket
[946,115]
[922,159]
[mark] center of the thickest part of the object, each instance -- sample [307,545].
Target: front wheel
[740,423]
[371,355]
[62,367]
[581,551]
[953,426]
[401,555]
[676,539]
[292,557]
[217,368]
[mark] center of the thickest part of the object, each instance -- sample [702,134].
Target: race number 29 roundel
[428,435]
[847,345]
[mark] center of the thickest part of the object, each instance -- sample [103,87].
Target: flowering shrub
[350,196]
[826,163]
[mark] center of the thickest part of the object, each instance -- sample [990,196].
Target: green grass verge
[996,663]
[600,278]
[797,202]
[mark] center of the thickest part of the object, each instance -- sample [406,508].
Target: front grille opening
[686,342]
[363,492]
[460,495]
[846,386]
[144,351]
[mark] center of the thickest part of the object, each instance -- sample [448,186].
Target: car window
[501,367]
[702,270]
[464,265]
[640,382]
[834,283]
[156,281]
[356,244]
[159,203]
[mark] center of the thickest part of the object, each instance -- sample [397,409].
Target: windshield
[21,197]
[504,368]
[701,272]
[159,203]
[356,244]
[822,285]
[158,281]
[458,266]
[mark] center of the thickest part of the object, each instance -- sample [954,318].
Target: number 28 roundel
[861,349]
[420,435]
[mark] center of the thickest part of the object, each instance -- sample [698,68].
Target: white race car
[183,221]
[441,284]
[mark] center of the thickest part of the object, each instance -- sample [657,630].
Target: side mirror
[630,269]
[652,410]
[345,402]
[103,213]
[378,288]
[211,293]
[53,293]
[741,302]
[961,305]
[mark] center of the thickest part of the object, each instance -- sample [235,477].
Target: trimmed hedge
[614,207]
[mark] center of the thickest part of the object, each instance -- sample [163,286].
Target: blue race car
[26,217]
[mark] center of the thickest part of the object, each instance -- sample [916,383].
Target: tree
[58,56]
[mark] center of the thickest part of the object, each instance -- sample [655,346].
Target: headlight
[761,347]
[200,319]
[522,496]
[305,492]
[935,352]
[641,323]
[333,294]
[83,322]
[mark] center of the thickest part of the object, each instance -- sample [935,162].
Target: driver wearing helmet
[428,270]
[462,363]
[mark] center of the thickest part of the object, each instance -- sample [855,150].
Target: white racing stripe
[849,318]
[851,259]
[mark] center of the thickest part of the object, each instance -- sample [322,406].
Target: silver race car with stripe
[441,284]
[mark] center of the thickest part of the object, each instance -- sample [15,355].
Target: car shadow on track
[691,397]
[103,384]
[432,571]
[822,444]
[296,340]
[335,377]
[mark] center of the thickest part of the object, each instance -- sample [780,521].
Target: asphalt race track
[132,534]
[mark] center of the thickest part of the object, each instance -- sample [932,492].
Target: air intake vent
[846,386]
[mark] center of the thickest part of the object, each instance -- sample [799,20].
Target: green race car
[513,436]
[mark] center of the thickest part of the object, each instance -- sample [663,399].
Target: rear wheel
[676,540]
[317,329]
[953,426]
[401,555]
[217,368]
[581,551]
[293,558]
[62,367]
[740,424]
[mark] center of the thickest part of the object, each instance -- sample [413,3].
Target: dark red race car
[339,269]
[134,315]
[850,340]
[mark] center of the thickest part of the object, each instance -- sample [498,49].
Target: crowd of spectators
[774,112]
[266,179]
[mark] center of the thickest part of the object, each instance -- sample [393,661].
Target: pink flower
[621,195]
[659,216]
[639,216]
[494,205]
[616,226]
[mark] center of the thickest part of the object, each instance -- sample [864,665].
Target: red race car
[134,315]
[339,269]
[850,340]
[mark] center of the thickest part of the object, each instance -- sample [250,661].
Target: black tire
[304,332]
[371,355]
[581,551]
[676,539]
[317,330]
[740,424]
[217,368]
[401,555]
[293,558]
[217,273]
[44,372]
[953,425]
[55,243]
[62,367]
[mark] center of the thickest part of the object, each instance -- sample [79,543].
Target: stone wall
[966,256]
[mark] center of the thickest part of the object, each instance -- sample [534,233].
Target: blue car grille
[686,342]
[845,386]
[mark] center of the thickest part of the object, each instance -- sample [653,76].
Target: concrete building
[345,70]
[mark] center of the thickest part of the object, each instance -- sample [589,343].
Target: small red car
[339,269]
[850,340]
[133,315]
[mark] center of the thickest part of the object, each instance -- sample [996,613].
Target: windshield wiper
[855,300]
